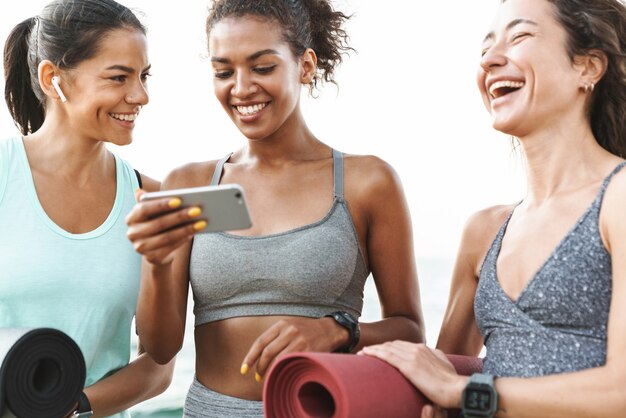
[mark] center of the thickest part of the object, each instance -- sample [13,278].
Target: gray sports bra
[559,322]
[308,271]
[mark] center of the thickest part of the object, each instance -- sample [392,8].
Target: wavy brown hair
[600,25]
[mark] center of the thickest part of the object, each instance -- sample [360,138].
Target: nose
[244,86]
[138,95]
[492,58]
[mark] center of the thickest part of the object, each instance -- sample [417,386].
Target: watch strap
[350,323]
[84,407]
[479,383]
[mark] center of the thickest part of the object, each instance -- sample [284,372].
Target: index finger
[257,347]
[146,209]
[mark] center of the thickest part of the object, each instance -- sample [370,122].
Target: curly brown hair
[305,24]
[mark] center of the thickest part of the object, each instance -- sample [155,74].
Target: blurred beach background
[408,95]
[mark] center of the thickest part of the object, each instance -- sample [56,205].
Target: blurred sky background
[408,95]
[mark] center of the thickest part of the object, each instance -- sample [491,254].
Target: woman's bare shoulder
[481,229]
[487,221]
[190,175]
[367,174]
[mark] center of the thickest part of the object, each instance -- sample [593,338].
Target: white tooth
[250,110]
[505,83]
[126,118]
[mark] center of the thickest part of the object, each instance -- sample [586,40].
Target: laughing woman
[322,221]
[75,81]
[547,296]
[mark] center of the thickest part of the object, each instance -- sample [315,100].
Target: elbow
[163,356]
[415,326]
[161,348]
[161,353]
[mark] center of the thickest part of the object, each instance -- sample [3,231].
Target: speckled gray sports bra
[559,322]
[308,271]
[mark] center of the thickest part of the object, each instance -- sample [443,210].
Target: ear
[46,71]
[592,66]
[308,62]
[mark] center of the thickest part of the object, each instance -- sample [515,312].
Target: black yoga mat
[42,372]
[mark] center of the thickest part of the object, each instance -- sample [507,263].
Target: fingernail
[244,369]
[174,203]
[258,377]
[193,212]
[200,225]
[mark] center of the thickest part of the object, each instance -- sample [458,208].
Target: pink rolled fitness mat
[331,385]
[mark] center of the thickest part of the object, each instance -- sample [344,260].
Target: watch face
[478,400]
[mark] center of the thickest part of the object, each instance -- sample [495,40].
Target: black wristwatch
[479,399]
[84,407]
[349,322]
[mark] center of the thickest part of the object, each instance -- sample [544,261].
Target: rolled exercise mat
[42,372]
[332,385]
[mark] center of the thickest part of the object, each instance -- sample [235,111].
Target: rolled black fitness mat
[42,372]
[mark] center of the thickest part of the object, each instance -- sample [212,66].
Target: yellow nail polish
[258,377]
[200,225]
[174,203]
[193,212]
[244,369]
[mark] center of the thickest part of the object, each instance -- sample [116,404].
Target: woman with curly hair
[322,221]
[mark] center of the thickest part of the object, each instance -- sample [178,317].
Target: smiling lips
[250,110]
[125,117]
[504,87]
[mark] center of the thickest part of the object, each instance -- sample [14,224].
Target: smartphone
[223,205]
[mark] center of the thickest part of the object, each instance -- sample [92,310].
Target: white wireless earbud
[55,84]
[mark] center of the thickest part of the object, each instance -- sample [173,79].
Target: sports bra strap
[338,173]
[219,167]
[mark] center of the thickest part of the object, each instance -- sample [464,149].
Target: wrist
[338,335]
[456,394]
[83,410]
[351,324]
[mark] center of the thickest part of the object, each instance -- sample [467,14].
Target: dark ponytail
[67,32]
[24,106]
[306,24]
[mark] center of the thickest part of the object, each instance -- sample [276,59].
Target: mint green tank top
[85,285]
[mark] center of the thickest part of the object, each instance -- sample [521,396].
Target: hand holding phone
[224,206]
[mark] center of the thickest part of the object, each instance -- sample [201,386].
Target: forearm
[142,379]
[389,329]
[159,323]
[594,393]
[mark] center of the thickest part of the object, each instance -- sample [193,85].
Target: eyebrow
[127,69]
[511,24]
[252,57]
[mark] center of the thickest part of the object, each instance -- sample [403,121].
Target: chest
[534,237]
[75,209]
[281,200]
[314,261]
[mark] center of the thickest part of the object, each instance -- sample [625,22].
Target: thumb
[427,411]
[138,193]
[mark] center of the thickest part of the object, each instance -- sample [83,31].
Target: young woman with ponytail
[75,80]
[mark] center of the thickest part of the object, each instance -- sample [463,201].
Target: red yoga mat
[331,385]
